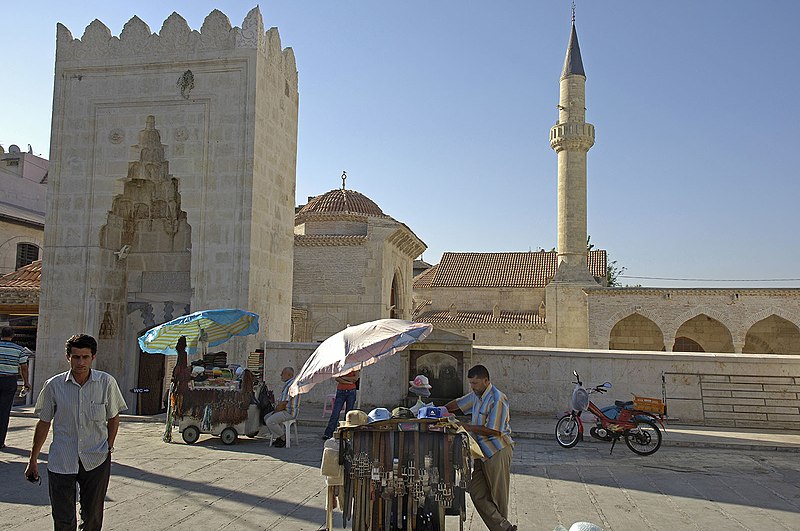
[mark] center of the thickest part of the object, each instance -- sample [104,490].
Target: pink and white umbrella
[357,347]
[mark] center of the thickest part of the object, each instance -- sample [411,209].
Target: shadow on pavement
[295,509]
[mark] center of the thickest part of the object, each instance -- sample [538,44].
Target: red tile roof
[500,270]
[479,317]
[342,201]
[25,278]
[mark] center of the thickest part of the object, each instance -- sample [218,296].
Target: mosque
[171,188]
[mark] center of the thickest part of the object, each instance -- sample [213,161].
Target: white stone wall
[346,284]
[749,386]
[225,101]
[737,309]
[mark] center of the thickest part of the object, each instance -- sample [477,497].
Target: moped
[630,421]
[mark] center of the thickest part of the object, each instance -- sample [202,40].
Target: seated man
[286,409]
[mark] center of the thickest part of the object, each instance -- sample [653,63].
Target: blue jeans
[343,398]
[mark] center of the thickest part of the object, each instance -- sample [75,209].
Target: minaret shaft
[571,138]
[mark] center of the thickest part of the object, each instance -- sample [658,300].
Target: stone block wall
[736,310]
[225,102]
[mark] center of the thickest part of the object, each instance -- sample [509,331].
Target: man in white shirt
[83,405]
[286,409]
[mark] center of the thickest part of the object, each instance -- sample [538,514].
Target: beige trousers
[489,489]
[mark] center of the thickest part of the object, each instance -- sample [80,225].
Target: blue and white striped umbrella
[219,326]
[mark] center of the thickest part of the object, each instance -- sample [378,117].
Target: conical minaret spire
[571,138]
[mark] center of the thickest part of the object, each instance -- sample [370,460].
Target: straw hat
[354,417]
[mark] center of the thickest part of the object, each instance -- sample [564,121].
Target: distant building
[23,197]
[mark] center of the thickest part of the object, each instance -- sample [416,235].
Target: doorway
[151,377]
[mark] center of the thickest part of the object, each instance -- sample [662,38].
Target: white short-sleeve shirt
[79,417]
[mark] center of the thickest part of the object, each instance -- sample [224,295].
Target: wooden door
[151,376]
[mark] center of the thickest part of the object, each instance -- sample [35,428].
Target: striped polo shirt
[491,411]
[292,402]
[11,357]
[79,416]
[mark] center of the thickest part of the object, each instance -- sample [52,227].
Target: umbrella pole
[360,385]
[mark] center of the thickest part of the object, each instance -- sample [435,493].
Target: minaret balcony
[571,136]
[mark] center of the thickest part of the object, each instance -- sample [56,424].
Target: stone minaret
[571,139]
[567,308]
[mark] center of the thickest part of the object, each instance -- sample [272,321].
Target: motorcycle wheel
[645,439]
[567,431]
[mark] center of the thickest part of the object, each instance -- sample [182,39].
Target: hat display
[354,417]
[378,414]
[420,391]
[420,381]
[402,413]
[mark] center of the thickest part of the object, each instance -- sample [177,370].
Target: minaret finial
[573,12]
[344,178]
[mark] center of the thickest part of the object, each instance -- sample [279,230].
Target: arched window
[26,253]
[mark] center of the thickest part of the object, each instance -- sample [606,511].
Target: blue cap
[378,414]
[429,412]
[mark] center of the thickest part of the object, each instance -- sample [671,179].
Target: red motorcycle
[635,421]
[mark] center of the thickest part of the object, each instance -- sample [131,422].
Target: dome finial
[344,178]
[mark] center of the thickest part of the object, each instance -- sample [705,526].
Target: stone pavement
[728,479]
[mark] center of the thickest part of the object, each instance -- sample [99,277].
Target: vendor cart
[221,405]
[403,474]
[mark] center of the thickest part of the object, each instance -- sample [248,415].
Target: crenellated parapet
[136,40]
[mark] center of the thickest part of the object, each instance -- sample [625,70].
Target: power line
[714,279]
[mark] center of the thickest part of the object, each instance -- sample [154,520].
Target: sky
[440,112]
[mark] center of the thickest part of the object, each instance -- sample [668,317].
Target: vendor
[286,409]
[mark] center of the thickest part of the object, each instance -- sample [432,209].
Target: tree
[613,271]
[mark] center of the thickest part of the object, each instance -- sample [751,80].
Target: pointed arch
[636,332]
[709,332]
[608,325]
[772,335]
[397,296]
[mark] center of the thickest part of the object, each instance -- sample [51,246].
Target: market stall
[215,400]
[403,474]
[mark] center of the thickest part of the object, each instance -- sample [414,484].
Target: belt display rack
[404,474]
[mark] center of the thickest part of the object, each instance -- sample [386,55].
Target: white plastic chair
[287,426]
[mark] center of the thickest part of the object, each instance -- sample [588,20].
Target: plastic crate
[651,405]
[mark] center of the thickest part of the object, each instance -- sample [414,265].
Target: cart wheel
[191,434]
[228,436]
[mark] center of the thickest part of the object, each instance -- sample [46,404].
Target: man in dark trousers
[13,362]
[490,427]
[83,405]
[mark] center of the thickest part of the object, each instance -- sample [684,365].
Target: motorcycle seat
[620,403]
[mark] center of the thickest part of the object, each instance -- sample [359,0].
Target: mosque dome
[341,201]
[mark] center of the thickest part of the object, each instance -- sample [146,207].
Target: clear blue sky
[440,112]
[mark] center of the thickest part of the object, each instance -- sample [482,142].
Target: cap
[378,414]
[402,413]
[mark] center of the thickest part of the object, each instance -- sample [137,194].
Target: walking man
[13,361]
[345,397]
[286,409]
[83,405]
[490,426]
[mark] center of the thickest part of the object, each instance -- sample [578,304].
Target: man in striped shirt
[83,405]
[285,409]
[13,361]
[491,476]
